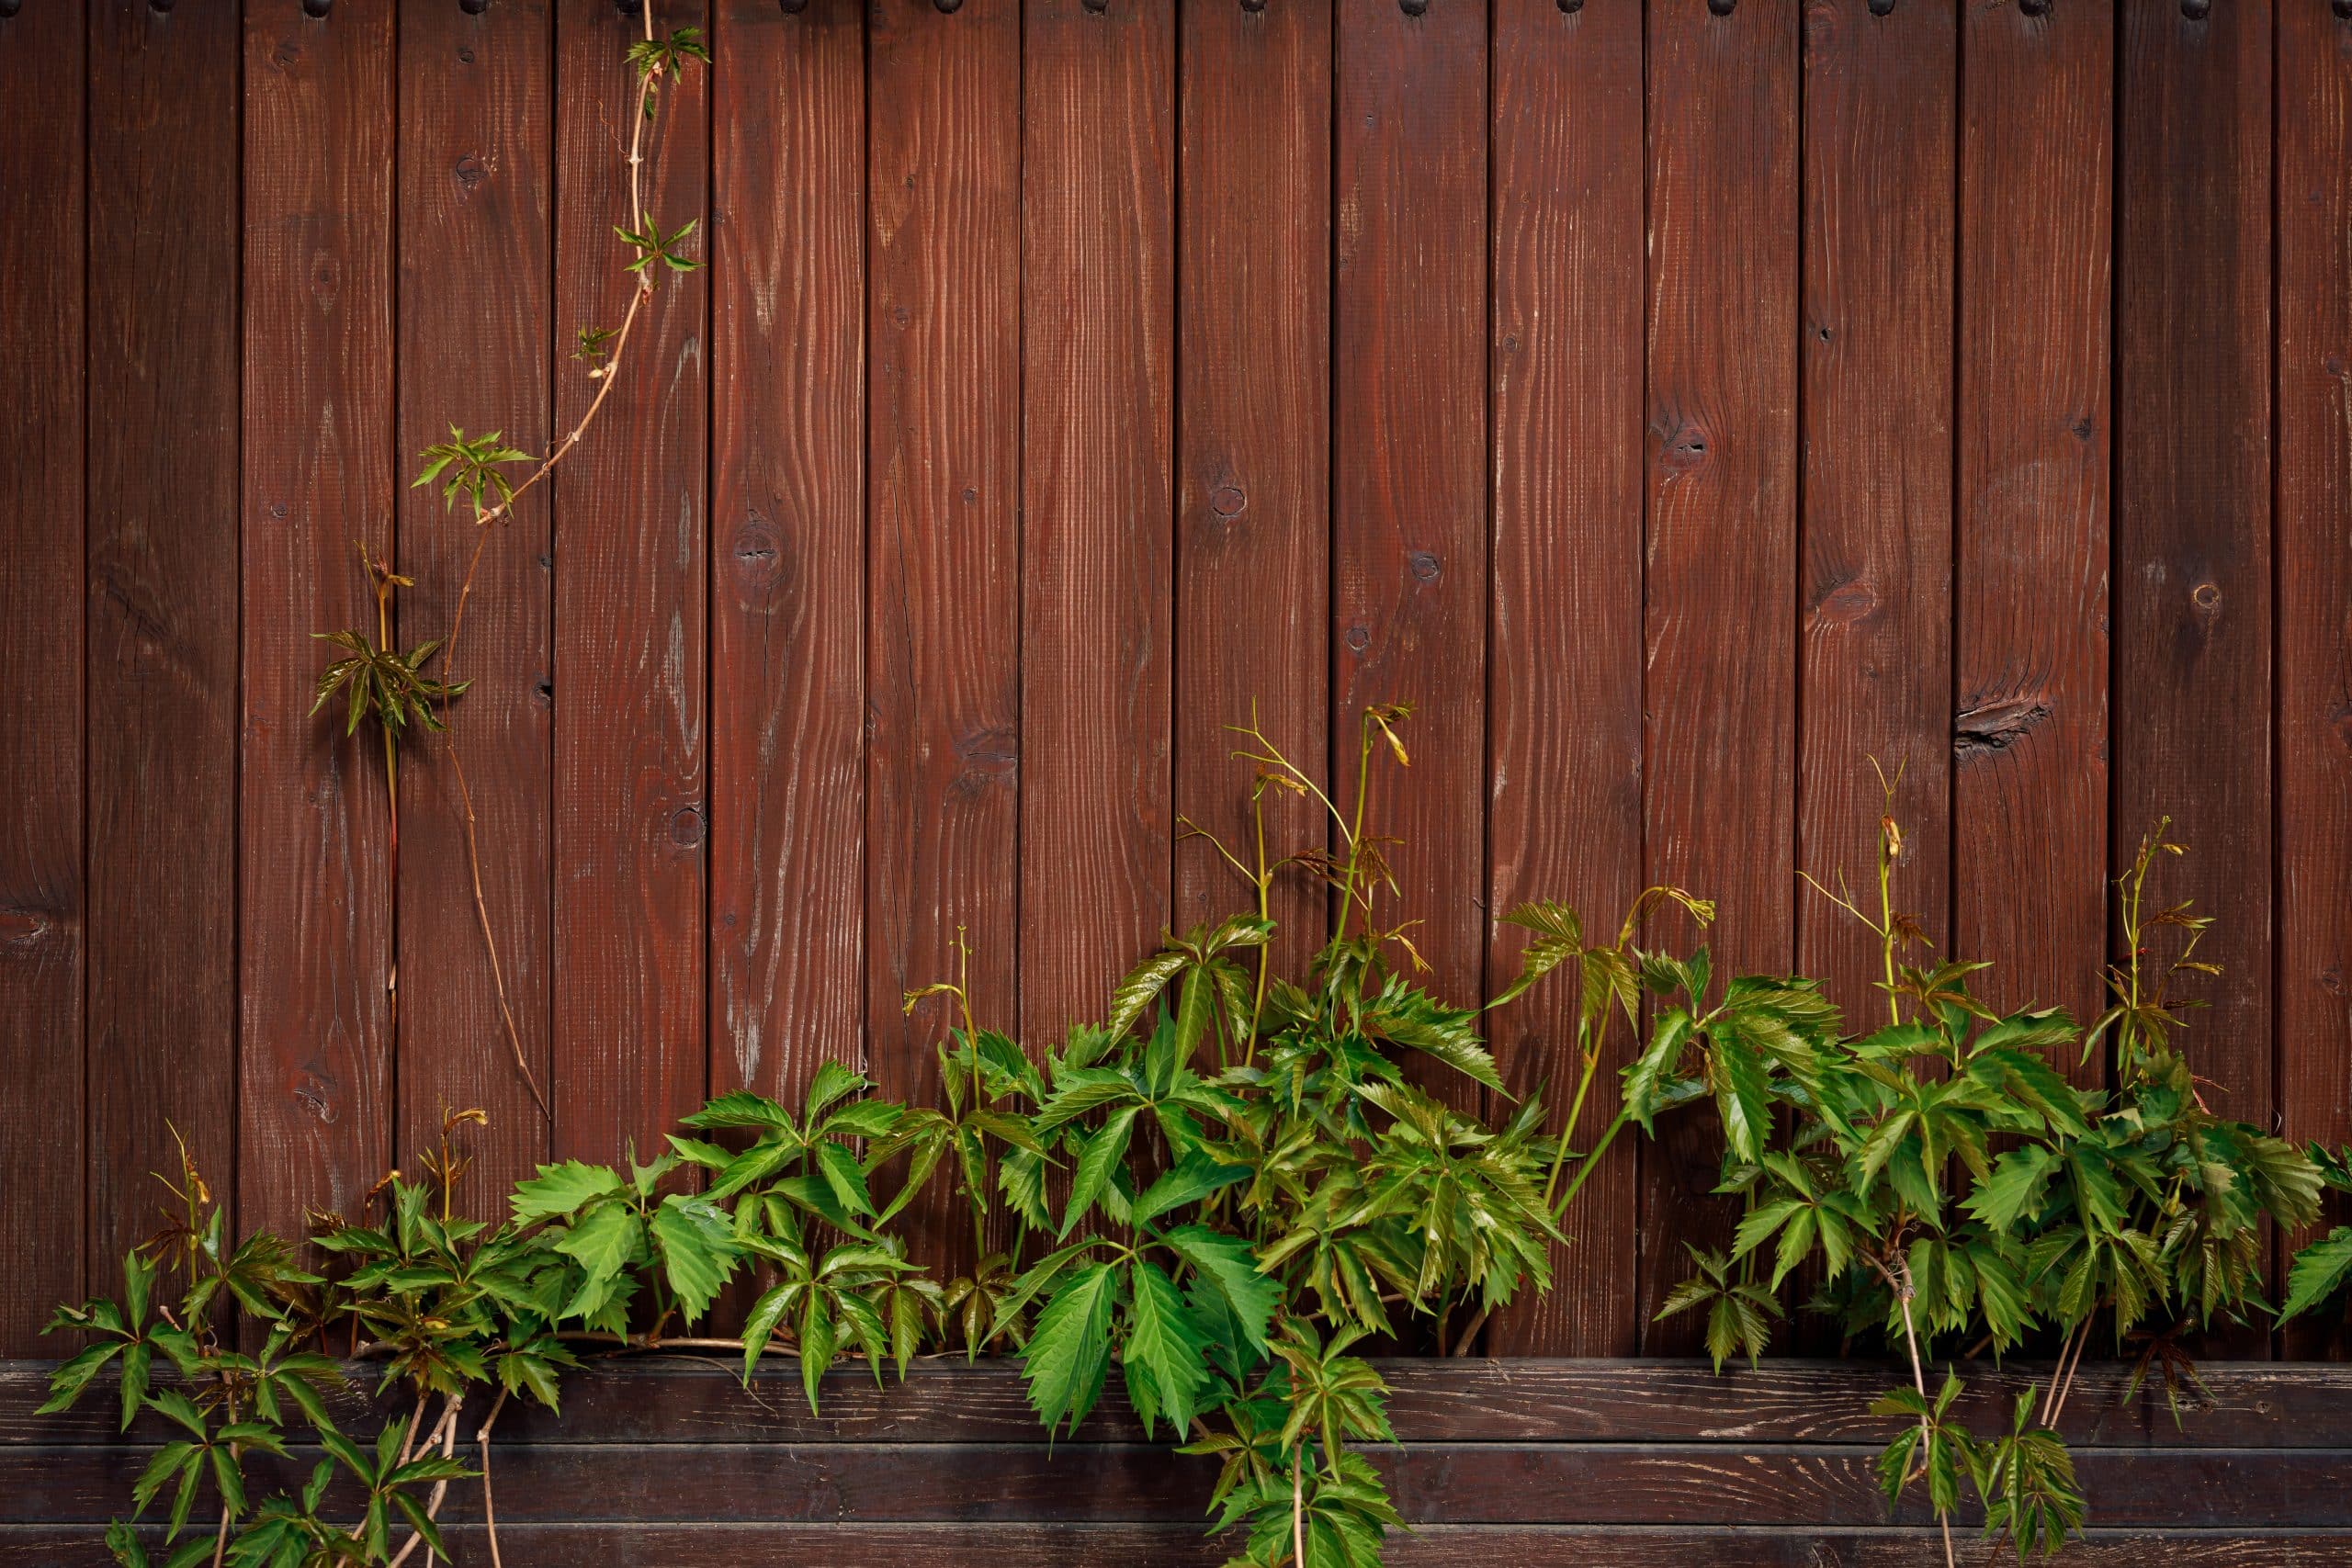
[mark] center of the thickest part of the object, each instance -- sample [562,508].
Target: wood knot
[2207,597]
[1423,565]
[1995,726]
[687,826]
[1359,638]
[23,928]
[1229,501]
[758,550]
[1847,605]
[470,171]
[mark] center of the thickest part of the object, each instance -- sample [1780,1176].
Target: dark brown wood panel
[1252,592]
[2192,501]
[1410,454]
[943,537]
[43,939]
[314,1106]
[787,580]
[2315,567]
[1875,336]
[1564,689]
[682,1399]
[161,611]
[631,678]
[477,337]
[1720,694]
[1430,1546]
[2030,749]
[1098,165]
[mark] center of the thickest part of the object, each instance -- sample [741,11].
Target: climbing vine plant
[1222,1190]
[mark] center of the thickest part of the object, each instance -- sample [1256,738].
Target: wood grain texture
[1766,1485]
[2314,568]
[1252,592]
[476,336]
[161,611]
[1097,390]
[787,582]
[1564,691]
[314,1108]
[1430,1546]
[2192,504]
[630,606]
[2029,747]
[1875,336]
[43,938]
[1410,455]
[943,537]
[1720,615]
[2249,1405]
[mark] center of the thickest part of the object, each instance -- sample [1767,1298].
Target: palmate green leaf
[1228,1262]
[2318,1271]
[1163,1353]
[697,1241]
[1198,1176]
[1647,1073]
[562,1189]
[1097,1159]
[1743,1095]
[1070,1353]
[1558,938]
[2031,1082]
[2014,1191]
[1141,987]
[1405,1016]
[842,1173]
[741,1108]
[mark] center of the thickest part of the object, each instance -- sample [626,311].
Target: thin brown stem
[445,1433]
[1297,1511]
[489,1508]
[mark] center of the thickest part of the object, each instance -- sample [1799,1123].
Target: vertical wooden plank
[1564,689]
[787,588]
[1876,338]
[1097,360]
[943,453]
[2030,644]
[1721,688]
[161,625]
[477,333]
[315,1057]
[2314,803]
[2192,498]
[41,894]
[630,609]
[1253,514]
[1410,457]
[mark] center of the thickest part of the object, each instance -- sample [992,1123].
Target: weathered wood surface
[1517,1462]
[1060,381]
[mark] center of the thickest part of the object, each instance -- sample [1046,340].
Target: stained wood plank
[630,604]
[2314,556]
[162,611]
[1097,357]
[477,337]
[1761,1484]
[787,969]
[1565,688]
[2192,502]
[1430,1546]
[1875,340]
[2030,737]
[1513,1400]
[1252,589]
[43,939]
[315,1105]
[1410,454]
[944,532]
[1721,685]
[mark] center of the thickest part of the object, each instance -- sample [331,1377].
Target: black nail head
[473,7]
[2343,9]
[2196,10]
[1414,7]
[792,7]
[1570,7]
[1253,7]
[1721,7]
[2034,7]
[1881,8]
[317,8]
[946,7]
[1097,6]
[9,8]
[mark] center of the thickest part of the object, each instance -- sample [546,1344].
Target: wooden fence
[1678,403]
[1526,1463]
